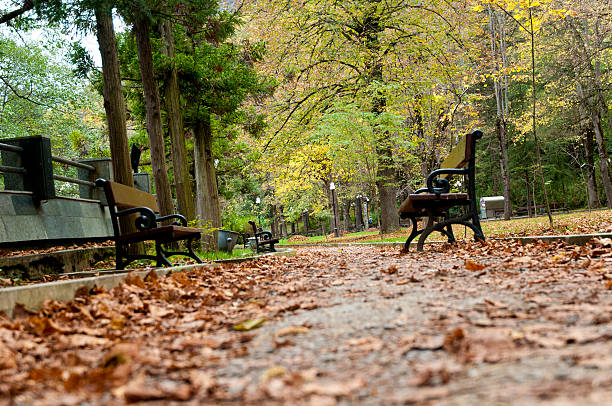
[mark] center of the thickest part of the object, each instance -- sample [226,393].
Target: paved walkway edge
[33,296]
[576,239]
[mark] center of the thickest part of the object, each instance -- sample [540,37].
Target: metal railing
[28,165]
[11,169]
[75,164]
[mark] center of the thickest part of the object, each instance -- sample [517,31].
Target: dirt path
[480,324]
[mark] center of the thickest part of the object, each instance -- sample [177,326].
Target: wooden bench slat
[125,197]
[160,233]
[458,157]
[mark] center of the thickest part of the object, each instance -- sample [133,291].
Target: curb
[574,239]
[33,296]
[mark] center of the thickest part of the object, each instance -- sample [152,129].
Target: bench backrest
[125,197]
[461,153]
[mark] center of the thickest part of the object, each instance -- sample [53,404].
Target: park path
[491,324]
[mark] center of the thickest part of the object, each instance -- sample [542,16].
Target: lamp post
[258,203]
[367,200]
[332,187]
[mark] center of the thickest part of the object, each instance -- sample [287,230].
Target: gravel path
[488,324]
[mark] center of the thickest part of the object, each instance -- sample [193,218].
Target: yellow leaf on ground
[249,324]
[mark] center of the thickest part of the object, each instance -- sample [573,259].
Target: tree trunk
[182,183]
[604,168]
[589,150]
[207,196]
[591,181]
[306,222]
[113,98]
[115,112]
[504,166]
[590,112]
[275,232]
[346,212]
[529,199]
[385,174]
[497,28]
[283,223]
[150,89]
[359,224]
[533,118]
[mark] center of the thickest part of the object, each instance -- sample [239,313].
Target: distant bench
[125,201]
[436,200]
[541,208]
[263,239]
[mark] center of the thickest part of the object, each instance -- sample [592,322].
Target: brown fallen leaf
[7,358]
[473,266]
[202,381]
[454,340]
[133,279]
[292,330]
[343,388]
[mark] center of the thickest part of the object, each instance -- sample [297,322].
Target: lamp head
[257,200]
[332,186]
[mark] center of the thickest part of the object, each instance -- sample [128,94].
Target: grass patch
[594,222]
[220,255]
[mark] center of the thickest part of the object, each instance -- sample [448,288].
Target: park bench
[541,209]
[142,208]
[436,201]
[263,239]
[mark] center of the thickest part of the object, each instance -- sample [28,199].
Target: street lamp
[258,203]
[332,187]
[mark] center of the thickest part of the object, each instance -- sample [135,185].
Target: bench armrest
[182,220]
[264,235]
[441,185]
[145,221]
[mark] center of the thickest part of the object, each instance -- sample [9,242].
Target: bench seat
[418,203]
[163,234]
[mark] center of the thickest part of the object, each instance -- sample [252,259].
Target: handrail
[73,163]
[73,180]
[10,148]
[12,169]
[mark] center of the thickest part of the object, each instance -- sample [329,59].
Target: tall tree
[113,95]
[182,181]
[141,21]
[497,30]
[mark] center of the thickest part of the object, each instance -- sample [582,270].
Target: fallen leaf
[343,388]
[292,330]
[7,358]
[273,372]
[249,324]
[474,266]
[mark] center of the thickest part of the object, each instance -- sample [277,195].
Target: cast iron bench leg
[426,231]
[161,259]
[415,232]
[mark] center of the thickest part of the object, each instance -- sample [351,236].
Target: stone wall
[21,220]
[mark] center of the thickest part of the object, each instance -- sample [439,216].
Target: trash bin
[226,239]
[252,243]
[490,206]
